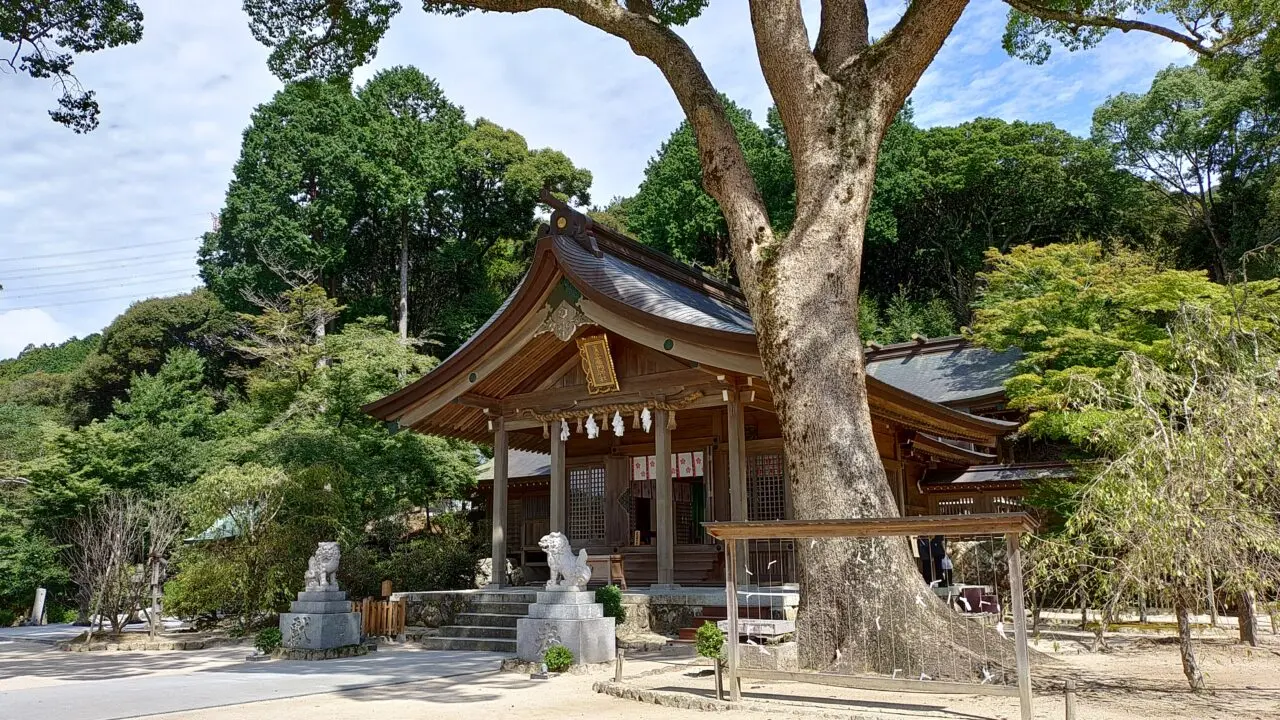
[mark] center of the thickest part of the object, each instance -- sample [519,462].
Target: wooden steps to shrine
[488,625]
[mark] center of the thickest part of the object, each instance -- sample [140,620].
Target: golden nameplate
[597,364]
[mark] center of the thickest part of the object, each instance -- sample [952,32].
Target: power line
[79,290]
[91,251]
[172,274]
[110,263]
[135,296]
[108,222]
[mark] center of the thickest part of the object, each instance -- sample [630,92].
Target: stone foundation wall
[432,609]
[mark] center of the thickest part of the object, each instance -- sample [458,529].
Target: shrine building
[624,399]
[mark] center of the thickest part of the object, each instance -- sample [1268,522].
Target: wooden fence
[381,618]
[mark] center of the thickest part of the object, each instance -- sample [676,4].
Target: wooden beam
[511,345]
[994,523]
[479,401]
[559,482]
[557,398]
[664,500]
[497,576]
[734,362]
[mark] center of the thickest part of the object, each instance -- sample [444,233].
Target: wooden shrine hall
[625,402]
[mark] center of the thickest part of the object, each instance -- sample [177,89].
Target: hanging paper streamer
[593,430]
[646,418]
[564,430]
[618,424]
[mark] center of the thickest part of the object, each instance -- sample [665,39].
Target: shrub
[709,641]
[557,658]
[444,560]
[268,640]
[7,617]
[611,597]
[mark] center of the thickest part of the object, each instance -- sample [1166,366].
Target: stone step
[488,619]
[502,608]
[474,644]
[504,598]
[478,631]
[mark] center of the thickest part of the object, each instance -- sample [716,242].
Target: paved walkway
[44,684]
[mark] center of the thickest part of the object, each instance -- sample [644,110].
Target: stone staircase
[489,623]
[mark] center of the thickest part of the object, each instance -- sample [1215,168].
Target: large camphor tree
[836,97]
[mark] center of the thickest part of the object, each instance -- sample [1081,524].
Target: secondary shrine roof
[945,370]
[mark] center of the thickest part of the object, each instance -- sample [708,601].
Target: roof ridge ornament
[570,223]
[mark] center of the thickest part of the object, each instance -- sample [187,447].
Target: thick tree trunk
[863,603]
[1247,616]
[1190,667]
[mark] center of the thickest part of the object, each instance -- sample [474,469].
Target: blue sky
[91,223]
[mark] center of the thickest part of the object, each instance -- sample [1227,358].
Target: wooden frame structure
[1011,525]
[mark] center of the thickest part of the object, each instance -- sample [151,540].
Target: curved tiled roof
[649,292]
[950,371]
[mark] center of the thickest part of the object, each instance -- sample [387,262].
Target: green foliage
[611,597]
[441,560]
[333,185]
[139,340]
[28,559]
[1075,310]
[672,213]
[46,36]
[1206,139]
[1213,26]
[49,359]
[557,658]
[1187,491]
[268,640]
[709,641]
[903,317]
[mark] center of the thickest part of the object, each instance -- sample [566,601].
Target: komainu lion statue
[560,558]
[322,568]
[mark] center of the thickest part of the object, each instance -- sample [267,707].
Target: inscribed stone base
[591,640]
[319,631]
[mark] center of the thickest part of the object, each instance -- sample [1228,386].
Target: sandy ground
[1140,678]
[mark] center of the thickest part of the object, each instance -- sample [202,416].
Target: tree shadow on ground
[811,703]
[45,662]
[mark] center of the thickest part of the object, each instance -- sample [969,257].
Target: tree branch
[1192,41]
[842,32]
[899,59]
[790,69]
[725,174]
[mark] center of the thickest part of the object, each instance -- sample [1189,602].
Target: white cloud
[20,328]
[143,186]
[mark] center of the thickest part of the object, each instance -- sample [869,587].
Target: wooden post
[731,608]
[1071,699]
[155,598]
[1019,622]
[497,578]
[386,588]
[559,483]
[664,500]
[736,431]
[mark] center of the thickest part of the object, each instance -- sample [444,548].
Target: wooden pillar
[498,577]
[559,483]
[731,613]
[737,433]
[1019,622]
[664,496]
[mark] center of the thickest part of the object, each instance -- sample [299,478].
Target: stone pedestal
[320,620]
[570,618]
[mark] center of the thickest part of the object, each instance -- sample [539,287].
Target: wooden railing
[382,618]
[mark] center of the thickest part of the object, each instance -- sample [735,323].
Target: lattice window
[537,507]
[586,505]
[766,488]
